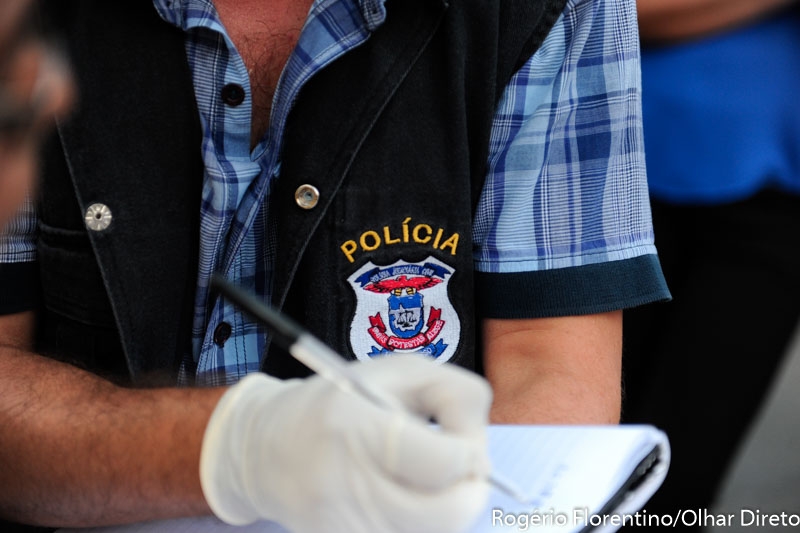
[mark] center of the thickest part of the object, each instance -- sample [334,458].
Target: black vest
[394,136]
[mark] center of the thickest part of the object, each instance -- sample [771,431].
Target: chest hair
[264,32]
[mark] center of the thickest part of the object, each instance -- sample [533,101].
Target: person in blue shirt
[722,132]
[487,154]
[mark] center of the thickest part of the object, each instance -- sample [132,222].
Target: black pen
[320,358]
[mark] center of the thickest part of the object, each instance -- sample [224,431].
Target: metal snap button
[306,196]
[98,217]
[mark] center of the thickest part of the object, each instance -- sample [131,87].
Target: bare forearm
[673,20]
[565,371]
[76,450]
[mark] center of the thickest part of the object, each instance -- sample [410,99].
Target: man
[36,87]
[400,178]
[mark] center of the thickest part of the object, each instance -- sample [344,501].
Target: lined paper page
[569,473]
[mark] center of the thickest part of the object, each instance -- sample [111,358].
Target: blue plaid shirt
[566,183]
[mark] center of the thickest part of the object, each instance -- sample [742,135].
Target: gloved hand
[316,459]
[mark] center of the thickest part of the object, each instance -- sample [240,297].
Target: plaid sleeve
[563,225]
[18,269]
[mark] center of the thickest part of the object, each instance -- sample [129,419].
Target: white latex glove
[316,459]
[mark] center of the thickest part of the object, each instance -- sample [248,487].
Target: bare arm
[555,370]
[76,450]
[17,330]
[673,20]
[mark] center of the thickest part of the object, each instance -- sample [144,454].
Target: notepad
[578,478]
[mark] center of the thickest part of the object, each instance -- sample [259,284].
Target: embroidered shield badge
[404,308]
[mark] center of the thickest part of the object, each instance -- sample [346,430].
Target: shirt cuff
[582,290]
[19,287]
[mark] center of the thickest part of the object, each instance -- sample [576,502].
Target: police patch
[404,308]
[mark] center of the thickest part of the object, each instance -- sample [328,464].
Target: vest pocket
[71,281]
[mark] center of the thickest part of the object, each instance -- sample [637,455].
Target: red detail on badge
[391,342]
[388,285]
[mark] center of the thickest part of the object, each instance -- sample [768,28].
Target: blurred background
[717,367]
[765,474]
